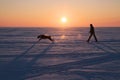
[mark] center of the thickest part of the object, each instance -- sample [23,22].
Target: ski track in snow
[70,57]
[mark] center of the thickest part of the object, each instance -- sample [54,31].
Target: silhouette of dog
[44,37]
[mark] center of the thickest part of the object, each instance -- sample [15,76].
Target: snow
[70,57]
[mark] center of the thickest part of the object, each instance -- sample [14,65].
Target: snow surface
[70,57]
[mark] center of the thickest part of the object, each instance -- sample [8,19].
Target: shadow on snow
[19,69]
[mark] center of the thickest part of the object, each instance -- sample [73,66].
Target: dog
[44,37]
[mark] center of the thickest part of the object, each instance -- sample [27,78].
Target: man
[92,33]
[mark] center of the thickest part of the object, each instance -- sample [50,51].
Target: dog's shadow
[19,67]
[38,56]
[24,53]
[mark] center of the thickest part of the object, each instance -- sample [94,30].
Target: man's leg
[89,38]
[95,38]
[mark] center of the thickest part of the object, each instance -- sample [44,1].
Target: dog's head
[39,36]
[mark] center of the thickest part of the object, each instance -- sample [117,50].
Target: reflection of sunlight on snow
[79,36]
[62,37]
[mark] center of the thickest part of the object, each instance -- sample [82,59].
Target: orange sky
[47,13]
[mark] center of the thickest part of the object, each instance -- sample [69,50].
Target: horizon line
[51,26]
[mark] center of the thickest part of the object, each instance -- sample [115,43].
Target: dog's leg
[50,39]
[39,39]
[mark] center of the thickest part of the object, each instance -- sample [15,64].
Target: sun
[63,19]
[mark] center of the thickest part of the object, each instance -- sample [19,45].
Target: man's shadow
[104,47]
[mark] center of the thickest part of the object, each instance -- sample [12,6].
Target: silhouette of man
[92,33]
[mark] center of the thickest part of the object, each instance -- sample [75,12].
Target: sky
[48,13]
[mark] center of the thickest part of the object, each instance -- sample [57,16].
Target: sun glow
[63,37]
[63,19]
